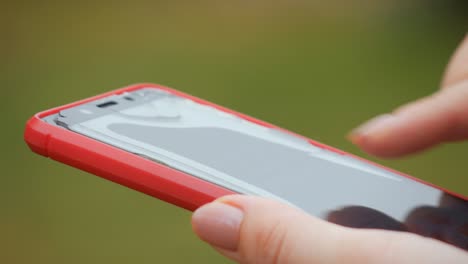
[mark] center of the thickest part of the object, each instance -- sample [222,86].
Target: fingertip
[378,149]
[372,126]
[355,138]
[379,136]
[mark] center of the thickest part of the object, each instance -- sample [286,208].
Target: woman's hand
[250,229]
[437,118]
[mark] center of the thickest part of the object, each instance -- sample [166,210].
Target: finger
[250,229]
[457,70]
[424,123]
[417,126]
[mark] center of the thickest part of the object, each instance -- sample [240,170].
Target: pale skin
[250,229]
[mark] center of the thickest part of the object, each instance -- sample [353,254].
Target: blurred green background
[316,68]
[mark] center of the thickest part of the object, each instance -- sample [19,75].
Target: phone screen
[249,158]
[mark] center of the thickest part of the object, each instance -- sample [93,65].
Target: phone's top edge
[130,88]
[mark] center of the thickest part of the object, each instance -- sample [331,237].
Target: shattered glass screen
[248,158]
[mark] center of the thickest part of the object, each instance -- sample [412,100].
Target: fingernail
[371,126]
[218,224]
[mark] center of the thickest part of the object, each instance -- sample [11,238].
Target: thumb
[250,229]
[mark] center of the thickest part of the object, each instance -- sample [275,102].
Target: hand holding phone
[253,230]
[187,151]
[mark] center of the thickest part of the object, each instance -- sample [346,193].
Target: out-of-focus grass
[317,69]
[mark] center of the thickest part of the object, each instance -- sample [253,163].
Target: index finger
[424,123]
[457,70]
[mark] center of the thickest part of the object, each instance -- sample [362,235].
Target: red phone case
[133,171]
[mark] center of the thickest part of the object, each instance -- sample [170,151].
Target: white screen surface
[249,158]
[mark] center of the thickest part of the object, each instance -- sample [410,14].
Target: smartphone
[188,152]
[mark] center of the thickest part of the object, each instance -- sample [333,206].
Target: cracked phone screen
[249,158]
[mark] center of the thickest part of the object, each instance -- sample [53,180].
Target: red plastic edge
[133,171]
